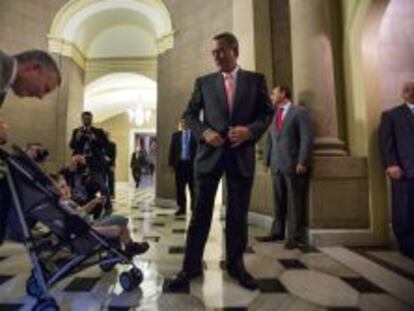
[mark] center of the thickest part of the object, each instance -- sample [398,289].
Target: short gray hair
[42,58]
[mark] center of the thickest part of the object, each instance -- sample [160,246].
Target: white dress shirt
[285,109]
[234,75]
[12,78]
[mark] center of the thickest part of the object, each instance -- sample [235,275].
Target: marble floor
[331,279]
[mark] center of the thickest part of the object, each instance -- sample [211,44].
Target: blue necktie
[184,145]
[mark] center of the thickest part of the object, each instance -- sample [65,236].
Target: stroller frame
[39,282]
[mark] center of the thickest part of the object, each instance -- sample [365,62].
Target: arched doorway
[124,105]
[103,38]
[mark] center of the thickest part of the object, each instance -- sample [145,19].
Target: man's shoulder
[300,108]
[208,77]
[246,73]
[253,74]
[176,133]
[394,111]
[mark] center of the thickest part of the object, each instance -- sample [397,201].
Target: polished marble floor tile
[307,279]
[292,264]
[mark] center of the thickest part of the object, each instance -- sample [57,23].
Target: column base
[339,193]
[329,146]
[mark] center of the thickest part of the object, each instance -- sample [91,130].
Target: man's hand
[394,172]
[4,133]
[213,138]
[238,135]
[301,169]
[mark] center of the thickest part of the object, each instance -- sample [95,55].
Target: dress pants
[403,214]
[183,177]
[289,191]
[111,182]
[239,192]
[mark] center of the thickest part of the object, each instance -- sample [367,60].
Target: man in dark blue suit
[236,111]
[397,151]
[181,158]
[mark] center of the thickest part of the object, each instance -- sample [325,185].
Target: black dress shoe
[244,278]
[270,238]
[182,279]
[292,244]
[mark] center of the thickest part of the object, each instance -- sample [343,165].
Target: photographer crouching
[90,142]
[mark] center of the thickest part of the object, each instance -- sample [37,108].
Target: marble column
[313,70]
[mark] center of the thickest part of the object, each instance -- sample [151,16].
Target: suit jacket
[396,139]
[251,108]
[292,145]
[139,159]
[176,148]
[97,147]
[111,153]
[6,69]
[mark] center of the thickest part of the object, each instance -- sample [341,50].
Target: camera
[37,152]
[41,155]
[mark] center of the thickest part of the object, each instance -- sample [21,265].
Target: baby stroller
[68,246]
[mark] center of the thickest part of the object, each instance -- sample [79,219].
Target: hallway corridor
[308,279]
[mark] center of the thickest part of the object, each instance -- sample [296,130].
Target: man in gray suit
[396,142]
[28,74]
[288,153]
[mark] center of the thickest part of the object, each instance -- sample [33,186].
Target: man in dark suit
[91,142]
[181,158]
[396,141]
[288,153]
[110,159]
[236,112]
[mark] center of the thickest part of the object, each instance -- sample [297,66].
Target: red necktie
[279,119]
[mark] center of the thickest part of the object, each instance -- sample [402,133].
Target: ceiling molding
[67,23]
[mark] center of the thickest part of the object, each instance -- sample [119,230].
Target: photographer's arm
[90,206]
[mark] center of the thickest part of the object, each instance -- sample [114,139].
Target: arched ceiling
[85,29]
[116,93]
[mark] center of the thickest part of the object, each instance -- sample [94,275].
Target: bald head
[407,92]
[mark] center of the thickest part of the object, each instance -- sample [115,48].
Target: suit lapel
[408,114]
[288,118]
[239,91]
[221,93]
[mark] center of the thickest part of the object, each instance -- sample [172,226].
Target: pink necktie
[229,85]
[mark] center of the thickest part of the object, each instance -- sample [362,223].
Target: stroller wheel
[46,305]
[106,267]
[33,288]
[130,279]
[138,276]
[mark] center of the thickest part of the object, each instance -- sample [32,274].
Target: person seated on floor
[111,226]
[85,185]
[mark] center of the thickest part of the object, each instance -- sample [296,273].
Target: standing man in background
[181,158]
[236,112]
[396,142]
[110,158]
[91,142]
[288,153]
